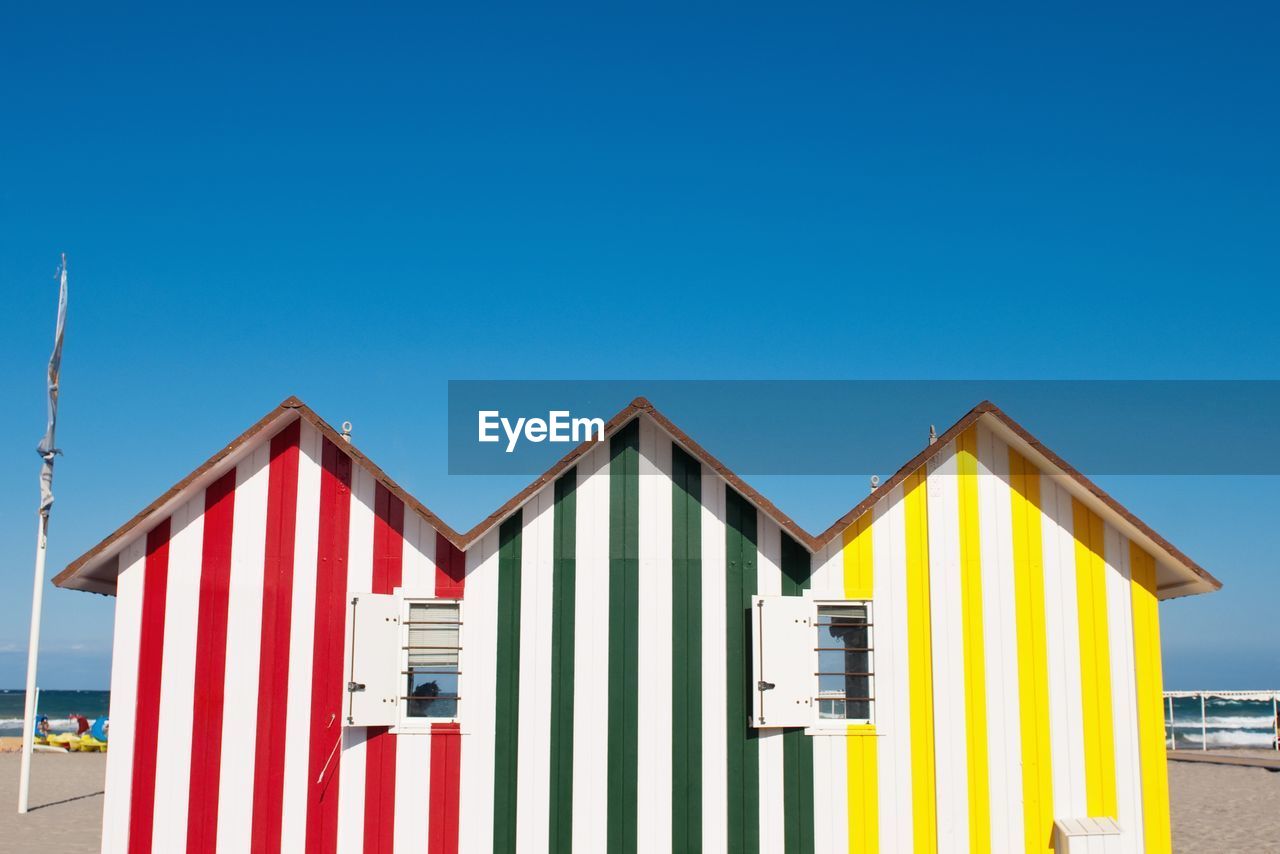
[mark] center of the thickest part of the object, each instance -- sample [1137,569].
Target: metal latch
[765,686]
[353,687]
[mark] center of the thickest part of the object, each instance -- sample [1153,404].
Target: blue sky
[358,207]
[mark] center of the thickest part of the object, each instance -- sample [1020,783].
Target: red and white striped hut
[636,653]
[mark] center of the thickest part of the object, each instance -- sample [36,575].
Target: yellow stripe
[1033,681]
[920,663]
[1095,661]
[864,809]
[858,569]
[975,674]
[860,741]
[1146,640]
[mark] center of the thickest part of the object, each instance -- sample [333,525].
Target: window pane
[843,613]
[844,636]
[433,634]
[432,658]
[831,709]
[848,686]
[432,695]
[844,647]
[835,661]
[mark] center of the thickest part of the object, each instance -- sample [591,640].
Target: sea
[1228,722]
[58,705]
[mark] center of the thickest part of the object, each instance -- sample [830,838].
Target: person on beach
[81,722]
[42,729]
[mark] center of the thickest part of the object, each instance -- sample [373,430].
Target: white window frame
[840,725]
[407,724]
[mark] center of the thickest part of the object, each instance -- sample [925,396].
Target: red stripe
[155,585]
[450,569]
[273,663]
[380,745]
[388,541]
[446,753]
[210,665]
[326,669]
[446,738]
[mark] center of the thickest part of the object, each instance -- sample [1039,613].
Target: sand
[66,804]
[1223,808]
[1215,807]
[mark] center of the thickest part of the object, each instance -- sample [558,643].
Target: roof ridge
[638,405]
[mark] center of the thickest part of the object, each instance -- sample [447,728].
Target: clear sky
[357,206]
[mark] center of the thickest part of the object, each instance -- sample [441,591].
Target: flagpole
[47,452]
[29,711]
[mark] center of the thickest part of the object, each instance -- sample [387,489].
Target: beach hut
[638,652]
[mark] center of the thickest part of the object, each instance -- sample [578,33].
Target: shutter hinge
[353,687]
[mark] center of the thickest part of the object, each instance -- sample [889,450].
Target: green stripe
[624,636]
[508,687]
[563,581]
[797,748]
[744,749]
[686,652]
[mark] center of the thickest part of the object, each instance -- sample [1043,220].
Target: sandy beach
[66,803]
[1215,807]
[1224,808]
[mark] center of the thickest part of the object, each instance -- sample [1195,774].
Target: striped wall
[605,667]
[1008,689]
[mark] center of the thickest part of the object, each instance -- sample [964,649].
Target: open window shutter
[783,661]
[373,686]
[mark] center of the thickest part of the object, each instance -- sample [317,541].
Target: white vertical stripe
[1124,690]
[1004,725]
[892,677]
[244,643]
[293,818]
[413,791]
[533,766]
[946,622]
[1062,636]
[591,654]
[351,776]
[177,679]
[824,583]
[653,659]
[124,696]
[773,834]
[830,775]
[418,575]
[413,750]
[830,791]
[715,733]
[477,686]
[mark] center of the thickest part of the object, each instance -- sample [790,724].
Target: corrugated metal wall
[605,667]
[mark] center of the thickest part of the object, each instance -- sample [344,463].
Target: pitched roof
[96,569]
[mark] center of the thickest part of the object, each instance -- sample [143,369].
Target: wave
[1242,721]
[1229,738]
[55,724]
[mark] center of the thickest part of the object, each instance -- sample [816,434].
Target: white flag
[46,448]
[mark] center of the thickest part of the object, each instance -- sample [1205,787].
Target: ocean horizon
[59,705]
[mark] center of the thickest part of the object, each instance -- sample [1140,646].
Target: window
[431,659]
[844,647]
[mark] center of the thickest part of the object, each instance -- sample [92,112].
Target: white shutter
[783,661]
[373,683]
